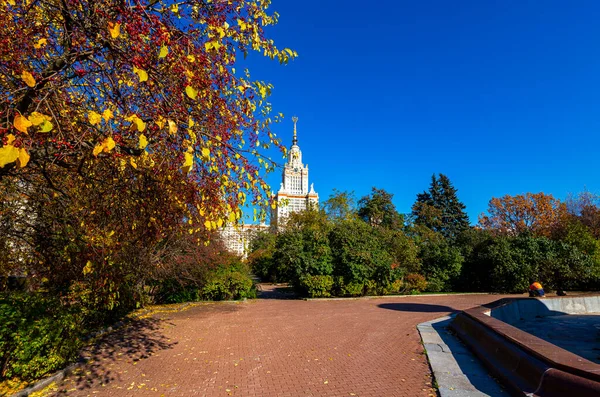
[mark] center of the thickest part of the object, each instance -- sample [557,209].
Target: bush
[38,335]
[316,286]
[415,283]
[229,284]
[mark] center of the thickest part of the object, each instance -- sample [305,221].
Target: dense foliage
[347,251]
[127,139]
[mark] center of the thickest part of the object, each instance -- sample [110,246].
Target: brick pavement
[365,347]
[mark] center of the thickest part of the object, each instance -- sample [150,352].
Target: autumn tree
[585,207]
[440,209]
[125,124]
[537,213]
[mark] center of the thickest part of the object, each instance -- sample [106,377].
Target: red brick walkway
[365,347]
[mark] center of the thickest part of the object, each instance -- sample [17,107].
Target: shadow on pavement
[133,342]
[275,291]
[417,307]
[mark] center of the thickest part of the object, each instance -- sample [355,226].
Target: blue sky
[501,96]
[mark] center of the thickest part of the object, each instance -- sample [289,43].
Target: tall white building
[293,194]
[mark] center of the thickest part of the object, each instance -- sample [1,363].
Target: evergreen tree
[440,209]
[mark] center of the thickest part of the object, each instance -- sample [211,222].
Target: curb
[391,296]
[455,369]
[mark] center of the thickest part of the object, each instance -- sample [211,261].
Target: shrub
[415,282]
[228,284]
[316,286]
[38,335]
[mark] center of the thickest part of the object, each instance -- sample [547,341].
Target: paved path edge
[444,351]
[392,296]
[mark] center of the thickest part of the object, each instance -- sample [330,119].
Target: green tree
[440,209]
[260,258]
[377,209]
[360,257]
[441,263]
[340,205]
[302,249]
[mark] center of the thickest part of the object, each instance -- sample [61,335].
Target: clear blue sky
[501,96]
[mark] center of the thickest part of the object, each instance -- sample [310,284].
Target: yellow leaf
[191,58]
[21,123]
[8,154]
[97,149]
[160,122]
[28,78]
[114,29]
[23,158]
[133,163]
[139,123]
[107,114]
[191,92]
[232,217]
[143,142]
[142,74]
[87,268]
[188,162]
[94,118]
[37,118]
[41,43]
[109,144]
[205,152]
[46,126]
[164,50]
[10,139]
[207,224]
[172,127]
[220,222]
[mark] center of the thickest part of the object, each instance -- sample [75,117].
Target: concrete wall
[527,308]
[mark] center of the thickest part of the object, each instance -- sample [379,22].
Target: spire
[295,140]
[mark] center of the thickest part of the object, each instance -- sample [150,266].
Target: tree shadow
[135,341]
[417,308]
[276,291]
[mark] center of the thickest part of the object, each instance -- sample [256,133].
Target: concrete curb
[456,370]
[392,296]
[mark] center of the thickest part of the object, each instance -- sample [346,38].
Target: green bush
[38,335]
[229,284]
[316,286]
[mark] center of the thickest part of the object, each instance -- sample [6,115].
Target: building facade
[294,194]
[237,238]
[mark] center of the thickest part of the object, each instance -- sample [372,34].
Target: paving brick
[364,347]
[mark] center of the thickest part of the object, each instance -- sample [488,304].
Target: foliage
[359,255]
[303,248]
[441,263]
[261,254]
[126,133]
[228,284]
[439,208]
[38,335]
[537,213]
[415,282]
[340,205]
[377,209]
[316,286]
